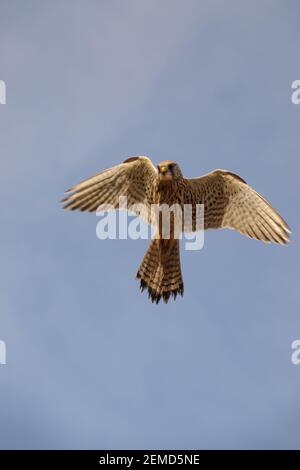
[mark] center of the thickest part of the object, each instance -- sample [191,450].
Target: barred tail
[160,270]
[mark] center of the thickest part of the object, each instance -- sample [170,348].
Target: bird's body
[227,199]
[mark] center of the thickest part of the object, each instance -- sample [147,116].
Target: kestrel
[229,202]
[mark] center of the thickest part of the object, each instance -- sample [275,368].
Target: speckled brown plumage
[228,202]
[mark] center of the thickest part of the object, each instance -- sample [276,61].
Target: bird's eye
[171,166]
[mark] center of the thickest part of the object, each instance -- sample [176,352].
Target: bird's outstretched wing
[134,179]
[230,202]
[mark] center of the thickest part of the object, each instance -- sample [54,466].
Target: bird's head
[169,170]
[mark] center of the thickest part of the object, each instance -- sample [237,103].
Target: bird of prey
[228,202]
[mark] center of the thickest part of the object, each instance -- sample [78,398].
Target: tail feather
[160,271]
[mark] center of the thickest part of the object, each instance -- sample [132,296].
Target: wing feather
[134,179]
[230,202]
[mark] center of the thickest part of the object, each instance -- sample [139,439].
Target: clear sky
[91,363]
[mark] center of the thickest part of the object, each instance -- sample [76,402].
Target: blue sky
[91,363]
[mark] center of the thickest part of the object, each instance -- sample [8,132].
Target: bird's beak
[164,170]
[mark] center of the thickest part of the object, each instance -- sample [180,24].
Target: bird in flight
[229,202]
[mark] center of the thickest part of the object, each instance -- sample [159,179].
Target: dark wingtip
[70,190]
[67,206]
[63,201]
[131,159]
